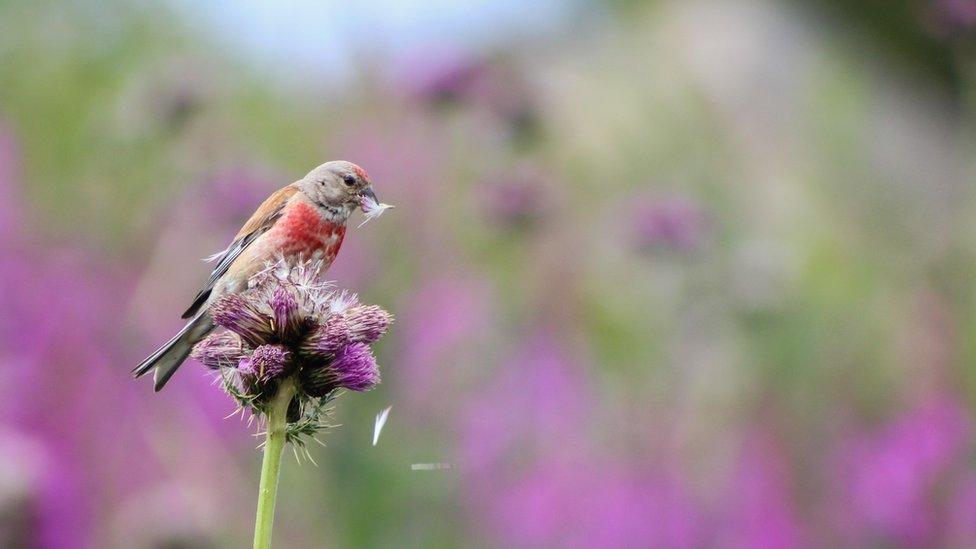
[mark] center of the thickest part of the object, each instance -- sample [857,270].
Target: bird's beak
[368,193]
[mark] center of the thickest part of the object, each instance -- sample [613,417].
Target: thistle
[291,344]
[290,325]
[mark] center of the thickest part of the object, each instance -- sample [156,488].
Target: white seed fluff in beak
[371,209]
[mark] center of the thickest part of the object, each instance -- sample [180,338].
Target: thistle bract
[289,323]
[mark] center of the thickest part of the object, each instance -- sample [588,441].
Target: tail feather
[168,358]
[199,301]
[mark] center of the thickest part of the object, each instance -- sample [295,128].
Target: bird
[304,220]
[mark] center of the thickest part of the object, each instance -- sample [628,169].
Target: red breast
[304,230]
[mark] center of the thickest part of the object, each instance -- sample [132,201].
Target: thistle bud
[267,362]
[240,315]
[366,323]
[218,350]
[288,323]
[355,368]
[326,340]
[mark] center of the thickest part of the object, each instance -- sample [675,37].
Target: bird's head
[338,187]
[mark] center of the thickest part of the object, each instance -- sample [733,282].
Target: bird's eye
[349,179]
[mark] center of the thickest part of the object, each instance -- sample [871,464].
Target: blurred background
[686,273]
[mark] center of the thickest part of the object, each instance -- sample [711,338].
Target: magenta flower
[443,318]
[287,323]
[359,324]
[447,80]
[954,16]
[231,194]
[889,478]
[267,362]
[674,224]
[759,508]
[243,315]
[491,86]
[299,342]
[517,199]
[222,349]
[355,368]
[593,504]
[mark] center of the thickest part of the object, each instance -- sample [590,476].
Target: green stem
[271,466]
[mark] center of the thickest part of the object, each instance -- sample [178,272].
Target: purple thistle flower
[288,323]
[292,325]
[328,338]
[242,316]
[266,363]
[357,324]
[366,323]
[219,350]
[355,368]
[247,369]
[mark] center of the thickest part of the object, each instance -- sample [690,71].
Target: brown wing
[262,220]
[267,212]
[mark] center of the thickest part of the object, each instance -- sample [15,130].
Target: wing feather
[270,208]
[263,219]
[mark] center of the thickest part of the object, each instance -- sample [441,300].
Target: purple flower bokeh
[64,336]
[443,316]
[889,478]
[675,223]
[517,199]
[758,510]
[594,505]
[495,88]
[544,402]
[533,477]
[446,78]
[954,16]
[233,193]
[547,447]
